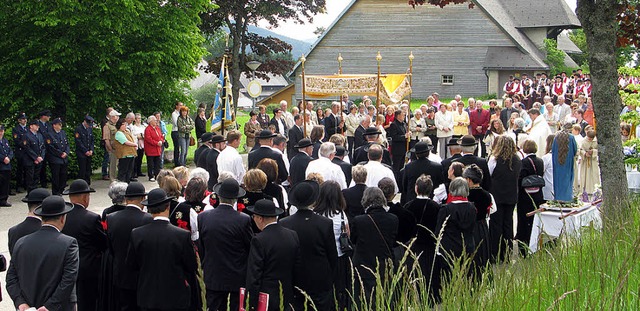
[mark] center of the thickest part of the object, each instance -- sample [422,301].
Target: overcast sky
[334,7]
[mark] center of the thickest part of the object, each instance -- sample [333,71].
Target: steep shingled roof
[537,13]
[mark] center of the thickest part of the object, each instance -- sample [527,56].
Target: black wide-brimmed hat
[421,147]
[341,151]
[304,193]
[266,208]
[217,139]
[53,206]
[206,137]
[156,197]
[303,143]
[78,186]
[229,189]
[36,195]
[45,112]
[467,140]
[135,189]
[371,131]
[265,134]
[452,142]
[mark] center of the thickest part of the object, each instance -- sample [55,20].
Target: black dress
[482,200]
[527,202]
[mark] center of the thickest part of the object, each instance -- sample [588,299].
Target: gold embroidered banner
[394,87]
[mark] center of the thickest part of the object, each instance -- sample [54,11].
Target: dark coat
[119,227]
[358,139]
[57,143]
[318,253]
[331,126]
[18,137]
[425,212]
[266,152]
[446,163]
[295,135]
[34,147]
[273,257]
[111,209]
[165,259]
[413,170]
[505,181]
[201,126]
[458,232]
[198,153]
[5,152]
[212,167]
[274,122]
[84,140]
[370,243]
[346,168]
[353,197]
[361,154]
[396,132]
[43,270]
[28,226]
[298,167]
[225,239]
[469,159]
[85,227]
[202,159]
[406,223]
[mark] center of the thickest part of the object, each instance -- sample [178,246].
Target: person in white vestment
[538,131]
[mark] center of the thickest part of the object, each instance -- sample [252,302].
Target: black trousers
[138,163]
[84,168]
[176,146]
[32,175]
[483,146]
[434,142]
[351,140]
[128,299]
[217,300]
[87,292]
[5,182]
[58,178]
[501,232]
[125,169]
[322,301]
[20,183]
[154,165]
[43,174]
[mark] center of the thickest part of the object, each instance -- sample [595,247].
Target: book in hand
[263,302]
[242,298]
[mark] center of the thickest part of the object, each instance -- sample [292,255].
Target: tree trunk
[598,19]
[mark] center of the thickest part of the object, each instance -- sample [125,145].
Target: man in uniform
[58,156]
[45,129]
[86,228]
[32,223]
[84,148]
[44,264]
[35,151]
[370,135]
[6,154]
[18,135]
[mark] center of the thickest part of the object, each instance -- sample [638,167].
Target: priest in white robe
[538,131]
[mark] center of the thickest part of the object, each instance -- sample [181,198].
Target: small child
[625,129]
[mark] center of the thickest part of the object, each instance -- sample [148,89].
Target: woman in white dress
[444,124]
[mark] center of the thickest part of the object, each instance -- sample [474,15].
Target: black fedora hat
[156,197]
[266,134]
[217,139]
[304,193]
[371,131]
[341,151]
[36,195]
[206,137]
[467,140]
[303,143]
[53,206]
[78,186]
[453,142]
[135,189]
[266,208]
[229,189]
[421,147]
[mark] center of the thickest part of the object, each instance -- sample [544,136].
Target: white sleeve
[492,164]
[193,219]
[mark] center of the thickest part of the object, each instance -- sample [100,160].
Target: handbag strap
[343,227]
[381,236]
[535,170]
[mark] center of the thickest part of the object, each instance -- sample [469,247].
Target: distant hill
[299,46]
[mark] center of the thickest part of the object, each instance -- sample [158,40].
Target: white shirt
[161,218]
[328,170]
[288,118]
[284,157]
[230,160]
[547,190]
[375,172]
[174,120]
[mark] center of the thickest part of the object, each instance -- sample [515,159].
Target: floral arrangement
[631,150]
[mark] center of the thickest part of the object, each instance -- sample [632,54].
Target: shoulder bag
[345,242]
[533,183]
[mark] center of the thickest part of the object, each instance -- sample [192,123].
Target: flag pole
[378,58]
[304,100]
[226,94]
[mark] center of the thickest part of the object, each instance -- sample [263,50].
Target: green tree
[78,57]
[580,40]
[555,58]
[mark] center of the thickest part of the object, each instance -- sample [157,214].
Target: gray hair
[335,104]
[151,118]
[326,149]
[359,174]
[130,115]
[427,140]
[519,123]
[200,173]
[459,187]
[224,175]
[469,149]
[117,190]
[365,119]
[373,196]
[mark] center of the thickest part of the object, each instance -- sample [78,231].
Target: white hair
[326,149]
[224,175]
[199,172]
[130,115]
[151,118]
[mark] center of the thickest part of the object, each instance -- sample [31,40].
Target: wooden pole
[411,57]
[304,100]
[378,58]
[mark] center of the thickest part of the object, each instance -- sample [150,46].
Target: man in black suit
[225,238]
[86,228]
[35,152]
[218,143]
[338,159]
[164,257]
[316,270]
[468,144]
[295,135]
[265,139]
[300,162]
[84,148]
[416,168]
[200,155]
[44,264]
[273,256]
[361,154]
[454,149]
[353,195]
[399,135]
[358,138]
[333,123]
[32,223]
[505,113]
[119,227]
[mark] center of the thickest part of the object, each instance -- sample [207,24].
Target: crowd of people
[319,194]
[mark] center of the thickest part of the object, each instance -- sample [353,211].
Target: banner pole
[304,100]
[378,58]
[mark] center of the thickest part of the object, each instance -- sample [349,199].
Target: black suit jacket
[198,153]
[266,152]
[371,244]
[346,168]
[212,167]
[119,227]
[445,168]
[28,226]
[331,126]
[85,227]
[202,159]
[469,159]
[361,154]
[43,270]
[225,239]
[274,122]
[298,167]
[353,197]
[413,170]
[295,135]
[318,252]
[164,256]
[396,132]
[406,223]
[272,260]
[358,138]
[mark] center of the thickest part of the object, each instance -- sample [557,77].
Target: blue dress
[563,174]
